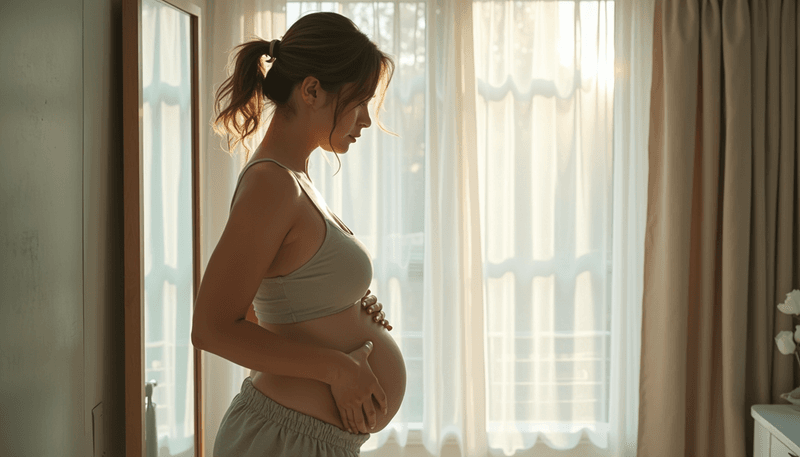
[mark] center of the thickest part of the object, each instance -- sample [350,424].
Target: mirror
[161,112]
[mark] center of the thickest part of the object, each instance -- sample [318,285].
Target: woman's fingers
[376,308]
[359,421]
[349,423]
[343,416]
[381,319]
[382,400]
[370,303]
[369,412]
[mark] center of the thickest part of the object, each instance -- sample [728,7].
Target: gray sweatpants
[256,426]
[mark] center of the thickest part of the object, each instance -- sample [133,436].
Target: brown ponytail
[327,46]
[243,91]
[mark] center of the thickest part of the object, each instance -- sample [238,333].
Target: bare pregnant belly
[344,331]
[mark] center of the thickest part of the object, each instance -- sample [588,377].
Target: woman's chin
[341,149]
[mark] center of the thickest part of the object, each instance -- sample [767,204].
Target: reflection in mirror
[167,196]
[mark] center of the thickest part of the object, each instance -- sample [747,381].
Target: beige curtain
[721,244]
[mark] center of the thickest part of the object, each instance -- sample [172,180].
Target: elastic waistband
[299,422]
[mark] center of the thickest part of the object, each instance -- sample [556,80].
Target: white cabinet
[777,431]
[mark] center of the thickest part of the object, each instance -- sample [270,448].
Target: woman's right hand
[353,391]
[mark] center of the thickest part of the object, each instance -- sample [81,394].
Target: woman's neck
[288,142]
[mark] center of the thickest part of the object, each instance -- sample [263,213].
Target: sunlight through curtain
[545,105]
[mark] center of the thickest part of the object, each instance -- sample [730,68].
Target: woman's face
[354,119]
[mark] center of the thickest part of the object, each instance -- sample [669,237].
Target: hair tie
[274,48]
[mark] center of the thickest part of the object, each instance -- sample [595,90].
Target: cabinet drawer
[778,449]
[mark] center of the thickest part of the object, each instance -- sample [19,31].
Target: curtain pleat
[735,208]
[453,330]
[759,318]
[662,394]
[772,142]
[633,86]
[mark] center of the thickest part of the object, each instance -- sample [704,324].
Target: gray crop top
[336,277]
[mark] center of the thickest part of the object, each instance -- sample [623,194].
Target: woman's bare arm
[252,346]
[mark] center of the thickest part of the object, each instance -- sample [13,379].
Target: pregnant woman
[324,374]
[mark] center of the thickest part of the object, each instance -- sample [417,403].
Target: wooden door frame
[133,219]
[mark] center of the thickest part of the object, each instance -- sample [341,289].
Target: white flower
[794,394]
[785,342]
[792,303]
[797,333]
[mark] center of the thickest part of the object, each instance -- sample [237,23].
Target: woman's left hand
[370,304]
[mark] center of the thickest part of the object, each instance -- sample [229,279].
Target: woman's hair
[327,46]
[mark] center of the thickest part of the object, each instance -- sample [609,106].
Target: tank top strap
[241,175]
[316,198]
[309,190]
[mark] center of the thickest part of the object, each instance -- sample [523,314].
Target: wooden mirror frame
[133,220]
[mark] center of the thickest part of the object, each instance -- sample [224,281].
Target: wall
[61,344]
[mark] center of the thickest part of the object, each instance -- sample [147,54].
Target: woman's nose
[366,121]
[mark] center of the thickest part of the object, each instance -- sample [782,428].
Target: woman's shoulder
[267,187]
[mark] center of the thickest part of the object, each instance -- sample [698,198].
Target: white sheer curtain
[506,223]
[545,84]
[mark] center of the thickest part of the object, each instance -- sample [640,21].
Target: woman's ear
[312,93]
